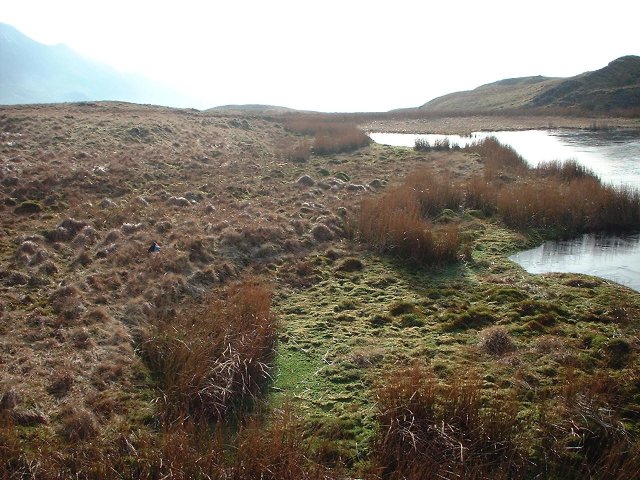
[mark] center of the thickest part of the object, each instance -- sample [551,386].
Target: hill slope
[615,86]
[36,73]
[251,109]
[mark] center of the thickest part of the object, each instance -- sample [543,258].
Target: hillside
[500,95]
[251,109]
[616,86]
[36,73]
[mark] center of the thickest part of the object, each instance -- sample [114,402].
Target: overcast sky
[342,55]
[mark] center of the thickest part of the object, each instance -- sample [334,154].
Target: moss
[475,317]
[28,207]
[401,308]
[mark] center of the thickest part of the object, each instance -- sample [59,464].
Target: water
[613,155]
[615,258]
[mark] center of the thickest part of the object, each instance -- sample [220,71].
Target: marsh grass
[432,428]
[429,429]
[211,357]
[269,447]
[330,135]
[398,221]
[563,198]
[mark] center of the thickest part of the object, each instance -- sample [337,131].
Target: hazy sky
[343,55]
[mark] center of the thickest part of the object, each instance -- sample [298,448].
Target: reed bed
[397,222]
[330,135]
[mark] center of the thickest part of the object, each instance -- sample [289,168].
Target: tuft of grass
[396,222]
[330,135]
[496,341]
[429,429]
[207,358]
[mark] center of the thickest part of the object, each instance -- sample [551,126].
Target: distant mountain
[252,109]
[31,72]
[613,87]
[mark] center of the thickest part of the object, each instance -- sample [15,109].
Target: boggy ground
[466,124]
[85,188]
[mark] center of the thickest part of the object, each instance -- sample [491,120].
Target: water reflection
[615,258]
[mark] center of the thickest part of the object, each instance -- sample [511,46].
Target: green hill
[615,86]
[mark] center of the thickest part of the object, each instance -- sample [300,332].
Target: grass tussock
[430,429]
[269,449]
[208,358]
[433,430]
[569,207]
[498,158]
[398,221]
[330,135]
[439,145]
[563,198]
[560,198]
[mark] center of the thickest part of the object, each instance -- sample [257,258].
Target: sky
[334,56]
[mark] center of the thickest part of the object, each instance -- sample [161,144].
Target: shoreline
[464,125]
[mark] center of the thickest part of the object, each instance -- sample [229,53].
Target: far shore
[468,124]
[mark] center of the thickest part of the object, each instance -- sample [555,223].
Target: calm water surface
[615,258]
[614,155]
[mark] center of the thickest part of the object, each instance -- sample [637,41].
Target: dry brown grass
[185,450]
[498,158]
[210,357]
[397,222]
[431,430]
[330,135]
[561,198]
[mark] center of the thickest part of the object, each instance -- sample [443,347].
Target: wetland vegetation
[316,309]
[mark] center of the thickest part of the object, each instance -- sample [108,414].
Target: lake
[612,154]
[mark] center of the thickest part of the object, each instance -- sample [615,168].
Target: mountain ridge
[36,73]
[615,86]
